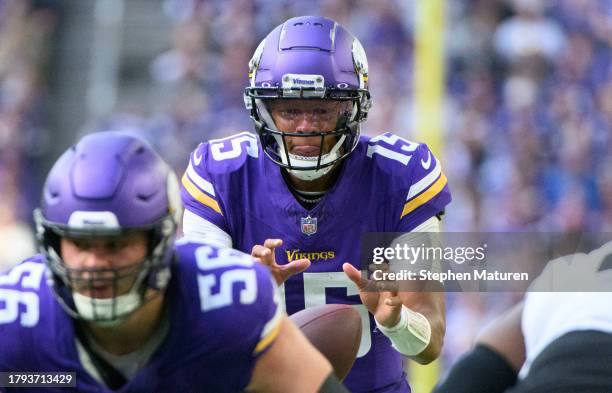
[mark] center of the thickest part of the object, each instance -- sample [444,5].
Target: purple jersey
[388,184]
[223,314]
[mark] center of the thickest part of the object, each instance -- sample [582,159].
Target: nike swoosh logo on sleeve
[197,159]
[426,164]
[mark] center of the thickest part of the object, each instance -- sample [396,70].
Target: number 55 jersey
[222,314]
[388,184]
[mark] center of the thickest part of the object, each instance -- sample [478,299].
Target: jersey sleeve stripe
[199,195]
[200,181]
[267,340]
[425,182]
[272,327]
[426,196]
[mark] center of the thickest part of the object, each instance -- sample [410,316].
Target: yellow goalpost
[429,80]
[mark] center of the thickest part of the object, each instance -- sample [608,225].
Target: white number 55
[227,279]
[30,275]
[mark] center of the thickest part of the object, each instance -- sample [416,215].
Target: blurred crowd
[26,32]
[528,106]
[529,137]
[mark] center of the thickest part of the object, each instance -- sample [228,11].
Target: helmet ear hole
[154,236]
[53,241]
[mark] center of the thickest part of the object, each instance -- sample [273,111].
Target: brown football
[335,330]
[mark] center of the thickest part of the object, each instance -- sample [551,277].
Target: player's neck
[133,333]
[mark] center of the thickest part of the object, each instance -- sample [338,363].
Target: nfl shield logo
[309,225]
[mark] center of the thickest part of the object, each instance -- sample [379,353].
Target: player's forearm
[505,336]
[287,356]
[420,333]
[432,351]
[480,370]
[425,297]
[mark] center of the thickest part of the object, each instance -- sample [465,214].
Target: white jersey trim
[430,225]
[425,181]
[201,230]
[549,313]
[200,181]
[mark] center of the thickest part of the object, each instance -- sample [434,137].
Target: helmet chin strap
[110,311]
[310,175]
[106,312]
[304,162]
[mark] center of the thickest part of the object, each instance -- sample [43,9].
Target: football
[335,330]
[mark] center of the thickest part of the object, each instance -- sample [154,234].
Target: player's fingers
[354,275]
[393,301]
[295,267]
[381,281]
[387,286]
[258,250]
[262,253]
[255,249]
[273,243]
[384,267]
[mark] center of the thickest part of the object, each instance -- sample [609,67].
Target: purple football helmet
[109,184]
[314,58]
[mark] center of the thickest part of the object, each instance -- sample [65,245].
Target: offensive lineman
[125,308]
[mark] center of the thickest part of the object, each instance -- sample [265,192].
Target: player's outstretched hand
[379,297]
[265,255]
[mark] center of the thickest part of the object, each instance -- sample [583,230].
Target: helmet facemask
[107,296]
[308,137]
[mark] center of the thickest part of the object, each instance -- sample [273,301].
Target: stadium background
[516,96]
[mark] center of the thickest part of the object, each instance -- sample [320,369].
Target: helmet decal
[361,63]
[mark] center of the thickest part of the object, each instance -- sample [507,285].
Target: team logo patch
[309,225]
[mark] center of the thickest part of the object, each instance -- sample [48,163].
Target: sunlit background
[523,119]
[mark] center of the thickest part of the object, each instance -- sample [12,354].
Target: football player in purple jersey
[300,193]
[115,300]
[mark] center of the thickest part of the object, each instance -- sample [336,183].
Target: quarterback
[113,299]
[300,193]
